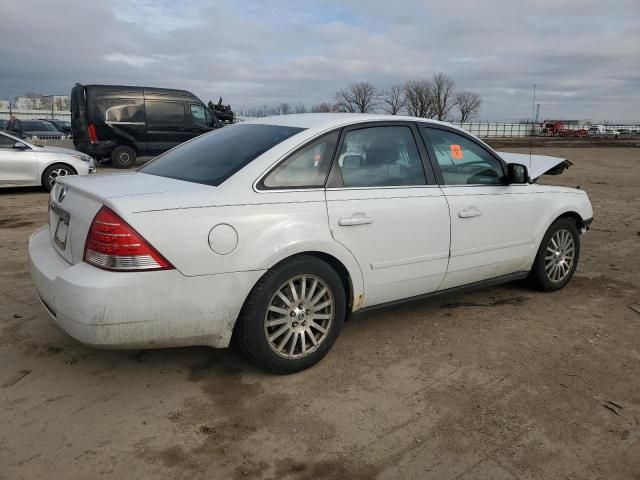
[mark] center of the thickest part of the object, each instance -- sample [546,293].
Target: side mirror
[20,146]
[516,173]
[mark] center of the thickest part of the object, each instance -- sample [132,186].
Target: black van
[120,122]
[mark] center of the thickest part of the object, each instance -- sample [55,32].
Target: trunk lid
[75,200]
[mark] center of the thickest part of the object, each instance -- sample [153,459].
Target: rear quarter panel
[270,227]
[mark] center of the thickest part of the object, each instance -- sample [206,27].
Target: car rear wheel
[292,316]
[123,157]
[557,256]
[52,173]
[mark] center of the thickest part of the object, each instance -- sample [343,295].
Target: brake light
[113,245]
[91,131]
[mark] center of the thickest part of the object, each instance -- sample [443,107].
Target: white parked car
[23,164]
[256,231]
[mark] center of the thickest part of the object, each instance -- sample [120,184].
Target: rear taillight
[91,131]
[113,245]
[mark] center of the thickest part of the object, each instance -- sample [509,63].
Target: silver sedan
[24,164]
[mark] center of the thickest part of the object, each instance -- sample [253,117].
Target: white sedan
[256,231]
[24,164]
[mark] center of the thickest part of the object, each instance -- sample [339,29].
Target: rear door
[17,166]
[385,211]
[492,225]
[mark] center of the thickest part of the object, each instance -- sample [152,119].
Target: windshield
[212,158]
[38,126]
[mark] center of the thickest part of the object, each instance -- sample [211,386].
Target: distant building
[42,102]
[4,104]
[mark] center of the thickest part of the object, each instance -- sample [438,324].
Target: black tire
[54,171]
[539,275]
[250,331]
[123,157]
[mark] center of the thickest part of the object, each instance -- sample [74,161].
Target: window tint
[380,156]
[164,112]
[198,115]
[462,161]
[306,168]
[6,142]
[122,110]
[215,156]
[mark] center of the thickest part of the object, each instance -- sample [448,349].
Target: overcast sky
[583,55]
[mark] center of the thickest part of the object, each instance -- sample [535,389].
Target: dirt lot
[541,386]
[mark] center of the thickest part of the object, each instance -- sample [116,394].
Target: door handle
[355,219]
[470,212]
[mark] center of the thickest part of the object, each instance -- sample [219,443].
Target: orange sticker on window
[456,152]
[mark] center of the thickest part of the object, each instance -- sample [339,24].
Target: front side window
[380,157]
[198,115]
[308,167]
[212,158]
[462,161]
[160,112]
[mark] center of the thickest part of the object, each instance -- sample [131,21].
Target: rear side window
[212,158]
[159,112]
[380,157]
[6,142]
[308,167]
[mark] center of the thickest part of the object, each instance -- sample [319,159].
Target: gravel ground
[539,386]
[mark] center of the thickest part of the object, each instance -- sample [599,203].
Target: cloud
[585,61]
[131,60]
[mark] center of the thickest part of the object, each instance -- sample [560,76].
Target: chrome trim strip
[408,261]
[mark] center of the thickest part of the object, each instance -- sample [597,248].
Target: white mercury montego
[275,231]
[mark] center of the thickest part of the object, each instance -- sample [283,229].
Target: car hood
[537,165]
[68,151]
[43,133]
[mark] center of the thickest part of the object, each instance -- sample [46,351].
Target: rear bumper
[136,309]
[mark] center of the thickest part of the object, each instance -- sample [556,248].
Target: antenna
[533,106]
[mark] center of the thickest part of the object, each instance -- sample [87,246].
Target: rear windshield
[38,126]
[214,157]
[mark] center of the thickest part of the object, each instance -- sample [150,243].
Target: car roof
[328,120]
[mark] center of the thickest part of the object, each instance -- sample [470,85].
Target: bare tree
[284,109]
[361,97]
[417,95]
[300,108]
[442,95]
[393,99]
[321,108]
[468,104]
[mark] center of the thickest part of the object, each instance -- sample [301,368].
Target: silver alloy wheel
[124,157]
[58,172]
[559,256]
[299,316]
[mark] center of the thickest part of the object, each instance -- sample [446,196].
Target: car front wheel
[292,316]
[53,172]
[557,256]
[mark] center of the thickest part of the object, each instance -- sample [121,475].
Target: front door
[492,225]
[382,208]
